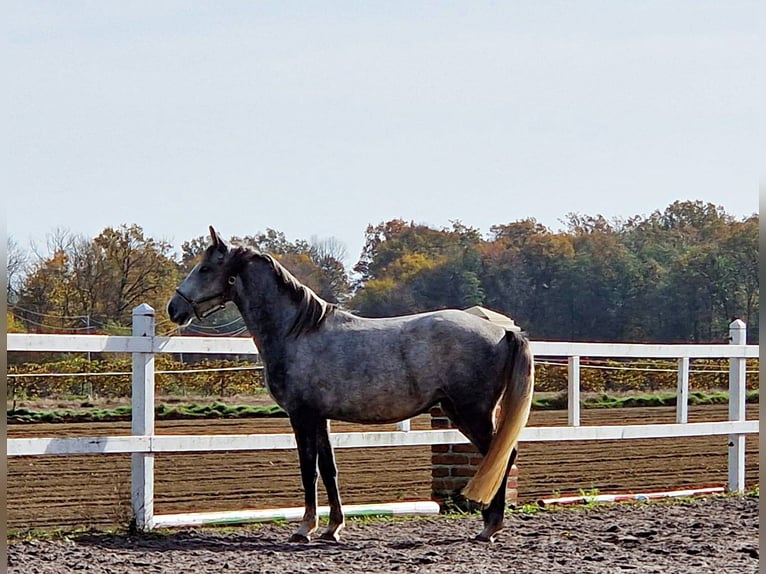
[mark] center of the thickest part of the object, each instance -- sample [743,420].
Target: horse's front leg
[329,473]
[305,429]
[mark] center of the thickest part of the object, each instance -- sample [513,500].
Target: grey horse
[322,363]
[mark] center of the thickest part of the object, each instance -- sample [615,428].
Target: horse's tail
[514,412]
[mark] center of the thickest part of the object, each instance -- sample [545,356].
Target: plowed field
[94,491]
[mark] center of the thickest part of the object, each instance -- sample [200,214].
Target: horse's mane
[312,309]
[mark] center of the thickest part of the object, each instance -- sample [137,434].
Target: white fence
[144,443]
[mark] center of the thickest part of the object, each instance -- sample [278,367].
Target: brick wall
[452,466]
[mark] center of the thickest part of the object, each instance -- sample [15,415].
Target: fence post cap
[737,324]
[737,332]
[143,309]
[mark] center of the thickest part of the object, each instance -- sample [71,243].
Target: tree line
[680,274]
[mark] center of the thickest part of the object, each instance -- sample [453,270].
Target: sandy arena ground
[713,535]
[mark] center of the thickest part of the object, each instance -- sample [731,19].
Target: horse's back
[433,338]
[445,321]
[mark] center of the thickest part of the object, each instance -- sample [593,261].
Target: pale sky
[319,118]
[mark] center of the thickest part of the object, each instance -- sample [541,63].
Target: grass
[220,410]
[532,508]
[163,411]
[607,401]
[51,533]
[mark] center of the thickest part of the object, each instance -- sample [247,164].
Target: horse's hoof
[299,538]
[485,536]
[330,536]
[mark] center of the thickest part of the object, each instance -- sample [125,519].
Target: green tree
[524,275]
[604,280]
[741,259]
[701,265]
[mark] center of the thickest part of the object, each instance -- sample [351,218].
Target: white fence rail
[144,443]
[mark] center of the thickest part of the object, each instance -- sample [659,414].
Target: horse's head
[207,288]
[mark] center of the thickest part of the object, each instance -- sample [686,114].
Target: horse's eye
[204,269]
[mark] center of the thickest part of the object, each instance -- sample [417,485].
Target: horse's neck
[267,312]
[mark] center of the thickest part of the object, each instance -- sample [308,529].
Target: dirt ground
[94,491]
[712,535]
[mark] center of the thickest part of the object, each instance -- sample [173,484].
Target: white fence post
[142,464]
[682,395]
[573,391]
[737,394]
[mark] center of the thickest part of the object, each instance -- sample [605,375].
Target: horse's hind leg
[329,473]
[476,423]
[305,428]
[494,513]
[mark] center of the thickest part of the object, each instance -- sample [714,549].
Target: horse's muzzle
[179,310]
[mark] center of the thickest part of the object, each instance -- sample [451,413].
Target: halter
[193,303]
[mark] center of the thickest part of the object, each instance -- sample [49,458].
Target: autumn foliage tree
[525,271]
[680,274]
[407,267]
[677,275]
[97,281]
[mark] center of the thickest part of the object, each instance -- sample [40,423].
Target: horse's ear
[218,241]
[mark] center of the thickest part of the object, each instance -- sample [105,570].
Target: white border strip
[415,508]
